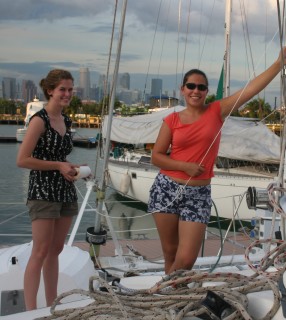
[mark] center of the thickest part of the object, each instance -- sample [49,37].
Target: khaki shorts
[41,209]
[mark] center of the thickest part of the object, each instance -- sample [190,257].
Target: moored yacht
[32,107]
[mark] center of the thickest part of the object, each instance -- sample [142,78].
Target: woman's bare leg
[51,263]
[42,230]
[191,235]
[167,226]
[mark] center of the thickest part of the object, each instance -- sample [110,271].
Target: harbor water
[129,219]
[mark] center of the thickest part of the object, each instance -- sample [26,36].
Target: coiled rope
[174,297]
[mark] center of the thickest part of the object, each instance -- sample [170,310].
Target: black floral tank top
[51,146]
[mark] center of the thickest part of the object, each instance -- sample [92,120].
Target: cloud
[52,9]
[34,71]
[159,37]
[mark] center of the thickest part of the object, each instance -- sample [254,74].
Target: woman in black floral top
[52,199]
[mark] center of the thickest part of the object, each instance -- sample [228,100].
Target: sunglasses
[193,86]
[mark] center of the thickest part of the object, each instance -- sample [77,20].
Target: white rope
[14,217]
[174,297]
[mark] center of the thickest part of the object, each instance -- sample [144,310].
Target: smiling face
[195,89]
[62,94]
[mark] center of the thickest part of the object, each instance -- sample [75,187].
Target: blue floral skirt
[190,203]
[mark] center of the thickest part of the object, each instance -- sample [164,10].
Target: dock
[7,139]
[12,121]
[85,142]
[77,142]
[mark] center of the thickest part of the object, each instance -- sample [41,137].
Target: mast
[227,26]
[282,166]
[96,232]
[102,183]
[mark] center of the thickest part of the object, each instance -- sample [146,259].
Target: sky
[162,39]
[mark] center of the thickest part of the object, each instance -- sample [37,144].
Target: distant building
[9,88]
[124,81]
[129,97]
[92,93]
[102,88]
[84,82]
[156,87]
[29,90]
[163,101]
[78,92]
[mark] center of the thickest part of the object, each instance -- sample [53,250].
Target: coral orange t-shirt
[196,142]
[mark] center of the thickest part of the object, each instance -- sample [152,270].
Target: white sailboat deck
[151,248]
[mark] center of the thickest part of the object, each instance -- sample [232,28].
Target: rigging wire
[152,48]
[178,44]
[265,41]
[281,20]
[248,47]
[246,37]
[246,34]
[206,34]
[200,30]
[164,38]
[109,57]
[105,101]
[283,142]
[186,40]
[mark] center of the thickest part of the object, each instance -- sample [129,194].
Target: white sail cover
[241,139]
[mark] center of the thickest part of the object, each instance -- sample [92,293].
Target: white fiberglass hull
[20,134]
[75,268]
[227,189]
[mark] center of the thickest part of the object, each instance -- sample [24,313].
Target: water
[15,226]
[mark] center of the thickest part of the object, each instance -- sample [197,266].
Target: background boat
[248,157]
[249,152]
[32,107]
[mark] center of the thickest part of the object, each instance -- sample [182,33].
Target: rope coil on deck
[182,294]
[174,297]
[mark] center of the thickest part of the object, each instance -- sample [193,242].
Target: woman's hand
[193,169]
[68,170]
[282,56]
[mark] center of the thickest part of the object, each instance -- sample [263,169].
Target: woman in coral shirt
[180,198]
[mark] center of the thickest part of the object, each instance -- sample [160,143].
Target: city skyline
[156,43]
[26,90]
[146,91]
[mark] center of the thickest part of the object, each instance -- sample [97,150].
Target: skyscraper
[156,87]
[124,81]
[9,88]
[84,82]
[103,87]
[29,90]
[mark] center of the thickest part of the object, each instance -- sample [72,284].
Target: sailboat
[131,172]
[31,108]
[245,146]
[231,289]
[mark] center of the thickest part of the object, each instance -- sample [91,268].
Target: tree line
[256,108]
